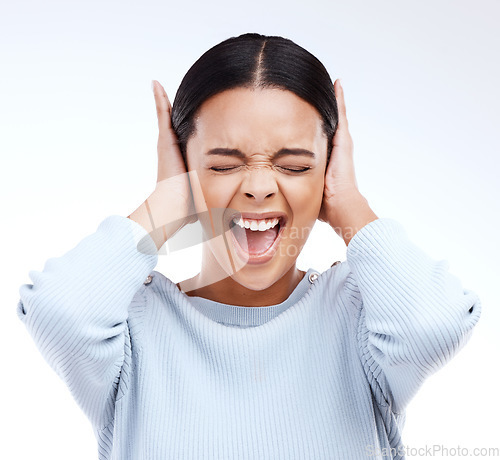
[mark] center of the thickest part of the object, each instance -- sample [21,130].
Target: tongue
[255,242]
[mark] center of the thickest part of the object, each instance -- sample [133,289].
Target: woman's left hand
[340,178]
[343,206]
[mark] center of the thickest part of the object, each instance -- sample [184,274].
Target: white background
[78,143]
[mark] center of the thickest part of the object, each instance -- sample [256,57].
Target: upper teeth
[253,224]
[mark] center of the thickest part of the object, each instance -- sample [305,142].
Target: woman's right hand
[171,204]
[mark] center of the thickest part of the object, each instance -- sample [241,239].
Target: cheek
[215,196]
[218,191]
[306,199]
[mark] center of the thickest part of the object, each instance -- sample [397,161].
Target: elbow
[445,332]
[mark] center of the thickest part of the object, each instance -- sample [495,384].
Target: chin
[255,275]
[259,278]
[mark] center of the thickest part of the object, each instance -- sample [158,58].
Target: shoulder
[156,289]
[335,277]
[155,292]
[338,288]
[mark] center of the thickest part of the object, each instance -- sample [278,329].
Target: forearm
[349,214]
[414,314]
[77,309]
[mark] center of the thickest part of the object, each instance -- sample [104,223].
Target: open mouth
[257,239]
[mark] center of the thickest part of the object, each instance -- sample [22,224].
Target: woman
[252,358]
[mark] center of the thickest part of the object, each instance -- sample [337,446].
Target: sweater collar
[238,316]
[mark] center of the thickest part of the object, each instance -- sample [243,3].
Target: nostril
[251,195]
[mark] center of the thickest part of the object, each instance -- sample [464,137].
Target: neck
[214,285]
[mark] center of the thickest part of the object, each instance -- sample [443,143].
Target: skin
[258,123]
[344,208]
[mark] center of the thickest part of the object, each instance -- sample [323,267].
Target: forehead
[258,120]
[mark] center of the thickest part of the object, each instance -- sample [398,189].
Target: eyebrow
[280,153]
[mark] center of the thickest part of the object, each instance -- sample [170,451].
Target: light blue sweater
[327,374]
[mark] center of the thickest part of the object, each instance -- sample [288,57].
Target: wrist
[154,217]
[143,215]
[349,213]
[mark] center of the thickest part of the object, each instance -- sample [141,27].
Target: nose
[259,184]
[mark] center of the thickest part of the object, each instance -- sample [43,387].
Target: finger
[213,221]
[213,218]
[162,104]
[197,192]
[342,135]
[339,95]
[166,135]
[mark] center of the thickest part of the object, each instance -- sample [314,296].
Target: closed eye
[295,170]
[213,168]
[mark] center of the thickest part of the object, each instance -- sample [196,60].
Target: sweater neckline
[240,316]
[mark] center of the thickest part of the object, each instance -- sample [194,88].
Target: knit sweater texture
[326,374]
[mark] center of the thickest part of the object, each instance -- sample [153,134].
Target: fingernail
[153,86]
[340,82]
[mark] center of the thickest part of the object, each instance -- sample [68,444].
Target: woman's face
[257,153]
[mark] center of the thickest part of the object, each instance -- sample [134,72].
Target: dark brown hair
[258,61]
